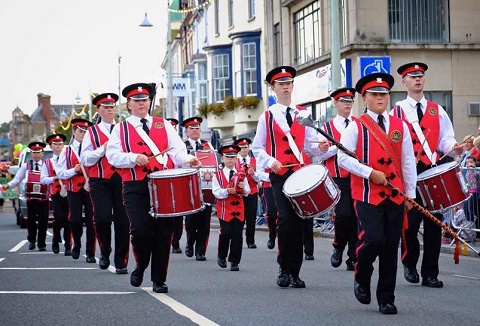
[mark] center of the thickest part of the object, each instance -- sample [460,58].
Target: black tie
[144,125]
[79,148]
[419,111]
[289,117]
[346,123]
[380,122]
[198,145]
[36,166]
[111,128]
[231,175]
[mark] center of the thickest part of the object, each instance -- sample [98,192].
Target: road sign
[369,65]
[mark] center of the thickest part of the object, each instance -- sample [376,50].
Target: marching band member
[345,220]
[58,194]
[427,121]
[197,226]
[248,165]
[386,147]
[106,187]
[230,208]
[69,168]
[37,209]
[279,141]
[135,147]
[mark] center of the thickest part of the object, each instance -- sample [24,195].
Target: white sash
[412,118]
[162,159]
[281,120]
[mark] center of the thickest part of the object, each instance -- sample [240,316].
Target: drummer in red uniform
[58,195]
[37,209]
[131,148]
[432,135]
[230,207]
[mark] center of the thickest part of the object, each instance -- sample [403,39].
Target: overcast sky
[67,47]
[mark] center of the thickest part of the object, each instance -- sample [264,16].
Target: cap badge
[348,91]
[283,71]
[140,89]
[417,66]
[379,80]
[109,97]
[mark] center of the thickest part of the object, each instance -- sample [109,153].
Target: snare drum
[311,190]
[207,171]
[33,188]
[442,187]
[175,192]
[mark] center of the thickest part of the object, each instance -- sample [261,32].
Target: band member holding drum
[278,145]
[70,169]
[345,219]
[432,135]
[106,187]
[58,195]
[178,220]
[228,187]
[37,207]
[197,226]
[247,165]
[383,143]
[137,146]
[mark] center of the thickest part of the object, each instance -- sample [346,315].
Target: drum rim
[451,166]
[312,187]
[163,174]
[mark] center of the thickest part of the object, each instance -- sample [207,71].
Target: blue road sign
[369,65]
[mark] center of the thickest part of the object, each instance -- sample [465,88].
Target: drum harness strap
[281,121]
[162,159]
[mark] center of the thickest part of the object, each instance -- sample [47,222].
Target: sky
[70,48]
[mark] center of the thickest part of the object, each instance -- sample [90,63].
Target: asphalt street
[43,288]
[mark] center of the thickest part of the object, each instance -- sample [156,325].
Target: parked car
[20,203]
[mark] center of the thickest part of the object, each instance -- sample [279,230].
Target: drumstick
[160,153]
[202,158]
[463,142]
[290,165]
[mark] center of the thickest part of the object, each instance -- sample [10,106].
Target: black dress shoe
[42,248]
[234,267]
[176,251]
[283,279]
[411,275]
[252,246]
[68,252]
[271,244]
[350,265]
[90,259]
[55,248]
[31,245]
[296,282]
[221,262]
[159,287]
[336,259]
[200,257]
[103,262]
[387,308]
[121,271]
[362,293]
[75,253]
[309,257]
[432,282]
[189,252]
[136,278]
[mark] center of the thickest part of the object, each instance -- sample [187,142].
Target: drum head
[437,170]
[304,179]
[171,173]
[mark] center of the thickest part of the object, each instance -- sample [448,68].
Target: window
[202,83]
[217,17]
[277,45]
[230,13]
[249,54]
[343,23]
[419,21]
[306,23]
[251,9]
[442,98]
[221,77]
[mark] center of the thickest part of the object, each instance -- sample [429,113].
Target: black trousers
[345,220]
[230,240]
[77,203]
[177,231]
[289,230]
[150,236]
[308,236]
[60,220]
[272,214]
[37,219]
[197,227]
[251,205]
[108,207]
[380,229]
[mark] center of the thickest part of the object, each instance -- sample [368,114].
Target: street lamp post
[119,109]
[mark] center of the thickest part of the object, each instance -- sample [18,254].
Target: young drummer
[230,208]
